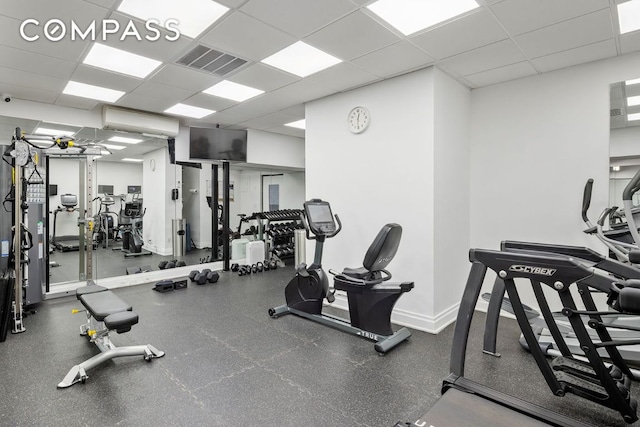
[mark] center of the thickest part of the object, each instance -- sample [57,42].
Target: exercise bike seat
[357,273]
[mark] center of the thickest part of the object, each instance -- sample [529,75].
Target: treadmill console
[319,217]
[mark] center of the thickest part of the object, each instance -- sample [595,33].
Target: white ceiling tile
[97,77]
[630,42]
[469,32]
[295,111]
[246,37]
[287,130]
[64,49]
[31,80]
[501,74]
[108,4]
[352,36]
[303,91]
[160,50]
[522,16]
[485,58]
[155,90]
[76,102]
[267,121]
[231,3]
[145,103]
[298,17]
[587,29]
[576,56]
[263,77]
[80,11]
[211,102]
[342,76]
[393,59]
[186,78]
[28,93]
[36,63]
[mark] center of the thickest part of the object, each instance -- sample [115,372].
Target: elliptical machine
[370,299]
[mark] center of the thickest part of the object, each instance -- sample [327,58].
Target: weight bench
[106,312]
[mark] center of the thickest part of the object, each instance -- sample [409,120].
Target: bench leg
[79,372]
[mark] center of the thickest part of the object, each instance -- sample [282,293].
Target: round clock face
[358,119]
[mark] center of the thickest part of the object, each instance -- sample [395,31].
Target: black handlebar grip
[632,187]
[586,199]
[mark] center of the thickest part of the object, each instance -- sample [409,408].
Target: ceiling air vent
[615,112]
[209,60]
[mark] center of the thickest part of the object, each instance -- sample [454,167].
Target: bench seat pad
[121,321]
[102,304]
[89,289]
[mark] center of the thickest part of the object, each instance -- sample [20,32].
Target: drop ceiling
[499,41]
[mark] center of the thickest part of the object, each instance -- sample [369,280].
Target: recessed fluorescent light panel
[300,124]
[189,111]
[97,93]
[233,91]
[120,61]
[615,168]
[633,101]
[629,16]
[113,147]
[632,82]
[53,132]
[301,59]
[633,117]
[125,140]
[194,16]
[132,160]
[410,16]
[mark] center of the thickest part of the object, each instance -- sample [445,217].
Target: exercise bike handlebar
[308,231]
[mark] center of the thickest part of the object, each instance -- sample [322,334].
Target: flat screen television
[134,189]
[218,144]
[105,189]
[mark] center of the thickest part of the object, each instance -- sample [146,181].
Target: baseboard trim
[432,325]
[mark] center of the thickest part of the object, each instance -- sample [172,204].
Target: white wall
[266,148]
[624,141]
[452,108]
[534,143]
[383,175]
[160,209]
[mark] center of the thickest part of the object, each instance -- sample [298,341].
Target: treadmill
[465,402]
[65,243]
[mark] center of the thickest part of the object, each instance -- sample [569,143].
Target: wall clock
[358,119]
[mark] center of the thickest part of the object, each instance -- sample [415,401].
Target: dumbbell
[181,264]
[200,279]
[162,265]
[213,276]
[170,264]
[193,274]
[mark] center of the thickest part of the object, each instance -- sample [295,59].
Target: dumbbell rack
[280,226]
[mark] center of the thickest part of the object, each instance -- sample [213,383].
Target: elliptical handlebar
[586,199]
[632,187]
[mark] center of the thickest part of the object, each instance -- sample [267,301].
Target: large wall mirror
[624,149]
[136,196]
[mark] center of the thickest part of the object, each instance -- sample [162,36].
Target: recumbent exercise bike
[371,298]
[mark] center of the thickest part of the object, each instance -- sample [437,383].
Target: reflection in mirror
[624,151]
[137,197]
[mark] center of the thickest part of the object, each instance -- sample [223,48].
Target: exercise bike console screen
[320,217]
